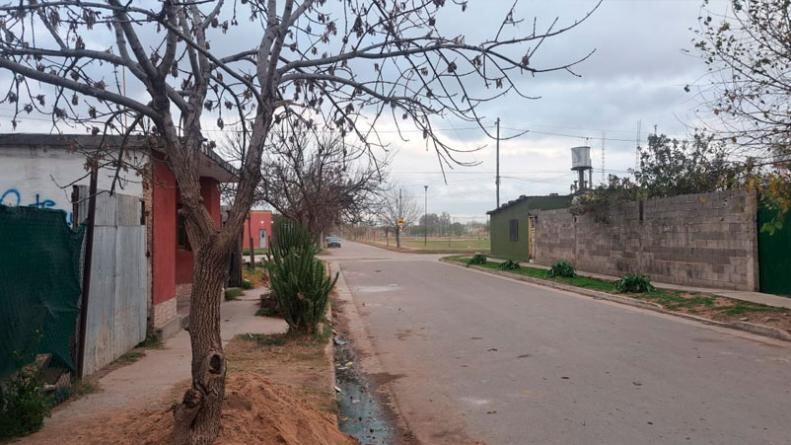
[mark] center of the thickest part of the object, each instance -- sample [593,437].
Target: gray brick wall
[707,240]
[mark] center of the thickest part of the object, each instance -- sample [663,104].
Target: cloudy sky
[637,74]
[635,79]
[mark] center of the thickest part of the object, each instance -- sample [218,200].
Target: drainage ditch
[360,413]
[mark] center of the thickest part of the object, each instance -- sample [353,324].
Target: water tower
[581,162]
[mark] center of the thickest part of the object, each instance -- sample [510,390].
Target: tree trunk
[398,237]
[235,265]
[197,419]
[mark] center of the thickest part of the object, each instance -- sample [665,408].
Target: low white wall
[39,177]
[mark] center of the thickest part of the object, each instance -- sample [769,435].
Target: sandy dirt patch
[277,393]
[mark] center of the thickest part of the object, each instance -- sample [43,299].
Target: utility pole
[400,218]
[603,174]
[637,147]
[425,217]
[87,268]
[497,177]
[250,232]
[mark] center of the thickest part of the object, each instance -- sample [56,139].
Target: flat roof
[541,199]
[213,164]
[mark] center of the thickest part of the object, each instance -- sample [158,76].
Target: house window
[513,229]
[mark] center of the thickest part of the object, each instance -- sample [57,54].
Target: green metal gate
[39,286]
[774,255]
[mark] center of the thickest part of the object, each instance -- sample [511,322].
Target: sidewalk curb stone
[765,331]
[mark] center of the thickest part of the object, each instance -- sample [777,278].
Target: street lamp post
[425,217]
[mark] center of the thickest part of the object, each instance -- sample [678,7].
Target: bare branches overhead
[172,67]
[748,54]
[343,65]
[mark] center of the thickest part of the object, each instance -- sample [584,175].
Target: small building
[510,224]
[258,230]
[142,263]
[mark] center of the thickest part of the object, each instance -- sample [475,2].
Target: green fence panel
[39,286]
[774,255]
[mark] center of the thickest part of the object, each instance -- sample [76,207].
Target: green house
[510,223]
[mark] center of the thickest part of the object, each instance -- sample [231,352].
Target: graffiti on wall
[13,198]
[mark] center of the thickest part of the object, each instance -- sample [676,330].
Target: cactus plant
[299,281]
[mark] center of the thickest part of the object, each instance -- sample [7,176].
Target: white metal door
[262,238]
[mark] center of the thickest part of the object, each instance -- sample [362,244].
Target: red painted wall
[163,237]
[210,192]
[258,219]
[172,265]
[183,266]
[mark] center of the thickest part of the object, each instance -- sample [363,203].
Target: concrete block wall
[707,240]
[554,237]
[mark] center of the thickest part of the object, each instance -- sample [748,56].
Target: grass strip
[669,299]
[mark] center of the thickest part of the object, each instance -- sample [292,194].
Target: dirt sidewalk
[154,381]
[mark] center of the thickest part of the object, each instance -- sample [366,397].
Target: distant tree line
[438,225]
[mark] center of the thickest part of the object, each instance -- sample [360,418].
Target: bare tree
[314,65]
[319,181]
[396,210]
[748,52]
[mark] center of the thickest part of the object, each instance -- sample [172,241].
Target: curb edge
[765,331]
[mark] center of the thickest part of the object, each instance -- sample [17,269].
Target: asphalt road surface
[478,357]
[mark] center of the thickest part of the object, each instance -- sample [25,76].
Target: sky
[632,83]
[634,80]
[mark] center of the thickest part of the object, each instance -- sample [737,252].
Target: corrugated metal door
[118,302]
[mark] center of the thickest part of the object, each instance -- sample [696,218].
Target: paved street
[479,357]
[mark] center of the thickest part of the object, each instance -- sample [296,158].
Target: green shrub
[562,268]
[266,311]
[298,280]
[508,265]
[247,284]
[153,340]
[477,259]
[233,293]
[634,283]
[23,404]
[268,306]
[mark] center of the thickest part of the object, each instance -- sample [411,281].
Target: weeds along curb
[765,331]
[329,348]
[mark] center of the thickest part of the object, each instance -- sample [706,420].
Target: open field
[440,244]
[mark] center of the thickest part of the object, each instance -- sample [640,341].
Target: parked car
[333,241]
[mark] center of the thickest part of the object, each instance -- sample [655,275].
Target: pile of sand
[255,408]
[255,412]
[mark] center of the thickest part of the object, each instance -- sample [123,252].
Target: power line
[520,131]
[497,176]
[637,147]
[395,131]
[567,135]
